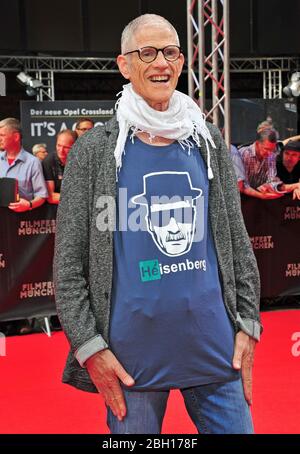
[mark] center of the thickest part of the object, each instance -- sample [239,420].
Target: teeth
[175,236]
[160,78]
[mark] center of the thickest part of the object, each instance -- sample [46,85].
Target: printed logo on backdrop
[292,270]
[37,227]
[292,213]
[262,242]
[37,289]
[2,262]
[42,121]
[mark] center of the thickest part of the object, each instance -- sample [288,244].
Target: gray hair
[143,21]
[37,146]
[11,123]
[267,134]
[68,132]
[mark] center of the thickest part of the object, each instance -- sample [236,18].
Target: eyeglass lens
[163,218]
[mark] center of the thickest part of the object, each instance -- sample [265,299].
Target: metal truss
[44,68]
[58,64]
[263,64]
[108,65]
[208,62]
[272,69]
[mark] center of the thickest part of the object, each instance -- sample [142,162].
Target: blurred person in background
[39,150]
[288,167]
[17,163]
[83,125]
[258,160]
[54,164]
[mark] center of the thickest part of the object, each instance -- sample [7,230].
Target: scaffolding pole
[208,60]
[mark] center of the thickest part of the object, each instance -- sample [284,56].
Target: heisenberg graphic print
[169,327]
[170,217]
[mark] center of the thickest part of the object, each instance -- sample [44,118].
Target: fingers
[247,371]
[114,398]
[243,359]
[240,347]
[105,372]
[121,373]
[247,378]
[296,195]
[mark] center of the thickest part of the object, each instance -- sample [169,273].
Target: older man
[54,164]
[17,163]
[39,150]
[147,310]
[259,163]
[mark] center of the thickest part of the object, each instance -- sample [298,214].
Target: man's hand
[296,194]
[267,192]
[105,372]
[19,207]
[243,359]
[271,195]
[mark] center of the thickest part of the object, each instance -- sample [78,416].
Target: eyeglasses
[148,54]
[181,215]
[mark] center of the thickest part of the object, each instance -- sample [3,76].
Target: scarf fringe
[132,111]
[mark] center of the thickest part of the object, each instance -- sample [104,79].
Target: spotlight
[31,85]
[293,87]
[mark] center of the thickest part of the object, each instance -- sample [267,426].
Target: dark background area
[265,28]
[93,27]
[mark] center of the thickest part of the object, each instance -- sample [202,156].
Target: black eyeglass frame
[157,50]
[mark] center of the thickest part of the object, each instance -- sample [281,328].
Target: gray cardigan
[83,264]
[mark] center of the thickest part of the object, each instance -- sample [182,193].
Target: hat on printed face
[175,184]
[292,145]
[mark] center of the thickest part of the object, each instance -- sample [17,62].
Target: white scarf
[182,120]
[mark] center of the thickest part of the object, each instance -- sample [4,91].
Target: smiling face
[155,81]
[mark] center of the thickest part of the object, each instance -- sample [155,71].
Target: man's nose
[173,226]
[160,59]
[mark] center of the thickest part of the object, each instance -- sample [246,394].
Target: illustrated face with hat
[171,217]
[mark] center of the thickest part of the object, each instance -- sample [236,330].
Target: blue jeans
[218,408]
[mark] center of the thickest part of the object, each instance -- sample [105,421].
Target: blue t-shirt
[169,327]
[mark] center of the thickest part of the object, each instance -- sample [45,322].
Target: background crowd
[267,168]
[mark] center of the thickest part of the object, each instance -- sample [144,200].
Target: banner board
[42,121]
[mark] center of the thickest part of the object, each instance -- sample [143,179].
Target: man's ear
[122,63]
[181,62]
[17,137]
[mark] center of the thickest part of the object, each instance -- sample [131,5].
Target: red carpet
[33,400]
